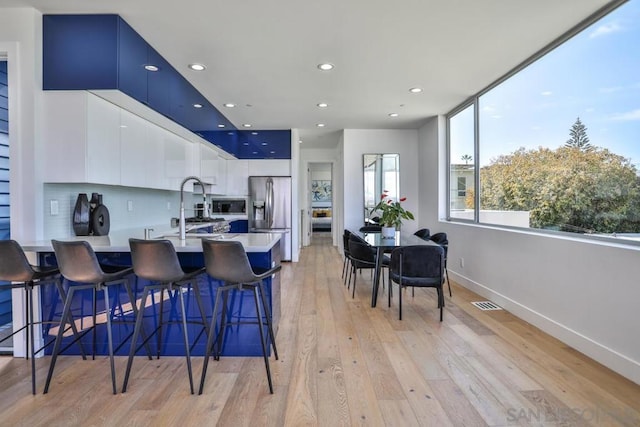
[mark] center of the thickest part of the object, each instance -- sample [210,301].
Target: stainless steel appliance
[229,206]
[270,208]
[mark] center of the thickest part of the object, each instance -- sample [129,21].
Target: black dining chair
[362,257]
[228,261]
[371,229]
[423,233]
[418,267]
[441,239]
[346,264]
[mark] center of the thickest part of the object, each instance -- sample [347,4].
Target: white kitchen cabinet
[134,136]
[208,165]
[270,167]
[142,152]
[237,177]
[92,140]
[82,142]
[221,184]
[178,160]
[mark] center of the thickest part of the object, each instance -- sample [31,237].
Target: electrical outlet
[461,262]
[53,207]
[130,205]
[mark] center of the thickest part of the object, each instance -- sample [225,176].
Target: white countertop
[118,241]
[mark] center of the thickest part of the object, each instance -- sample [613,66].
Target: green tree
[566,189]
[578,137]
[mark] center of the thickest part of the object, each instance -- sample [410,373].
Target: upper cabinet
[94,141]
[237,177]
[82,142]
[95,52]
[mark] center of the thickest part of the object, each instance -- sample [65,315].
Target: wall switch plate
[168,206]
[130,205]
[461,262]
[53,207]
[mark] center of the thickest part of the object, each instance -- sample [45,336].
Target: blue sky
[594,76]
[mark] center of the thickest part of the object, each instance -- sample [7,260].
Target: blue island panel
[240,340]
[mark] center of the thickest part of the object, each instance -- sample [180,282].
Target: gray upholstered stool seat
[157,262]
[227,261]
[15,268]
[78,263]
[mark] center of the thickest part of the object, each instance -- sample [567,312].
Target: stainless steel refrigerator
[270,209]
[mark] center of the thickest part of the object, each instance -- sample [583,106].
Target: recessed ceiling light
[299,141]
[229,133]
[197,67]
[393,114]
[229,105]
[323,105]
[255,152]
[197,105]
[254,133]
[264,143]
[272,152]
[245,143]
[415,90]
[151,67]
[246,125]
[220,125]
[320,125]
[325,66]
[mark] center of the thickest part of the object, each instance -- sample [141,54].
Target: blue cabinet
[80,52]
[85,52]
[158,83]
[132,58]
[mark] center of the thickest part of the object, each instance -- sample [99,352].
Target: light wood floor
[345,363]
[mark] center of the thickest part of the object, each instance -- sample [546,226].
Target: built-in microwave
[228,207]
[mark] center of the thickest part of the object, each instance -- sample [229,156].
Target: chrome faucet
[205,214]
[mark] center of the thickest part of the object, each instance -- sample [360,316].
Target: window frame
[475,101]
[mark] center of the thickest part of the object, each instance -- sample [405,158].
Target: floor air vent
[486,305]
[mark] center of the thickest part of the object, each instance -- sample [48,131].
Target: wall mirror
[381,172]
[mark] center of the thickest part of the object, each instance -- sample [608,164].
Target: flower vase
[388,232]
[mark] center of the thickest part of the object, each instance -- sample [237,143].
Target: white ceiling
[262,55]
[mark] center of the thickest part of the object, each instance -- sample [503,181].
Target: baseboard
[610,358]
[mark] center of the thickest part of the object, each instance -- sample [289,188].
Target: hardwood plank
[303,388]
[344,363]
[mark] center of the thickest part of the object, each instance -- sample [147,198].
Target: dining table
[387,244]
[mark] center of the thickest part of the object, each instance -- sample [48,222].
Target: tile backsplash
[128,207]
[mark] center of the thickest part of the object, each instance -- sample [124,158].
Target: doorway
[320,199]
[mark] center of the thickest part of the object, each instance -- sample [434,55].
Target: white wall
[584,293]
[20,32]
[358,142]
[20,35]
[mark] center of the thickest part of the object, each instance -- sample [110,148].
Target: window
[557,142]
[462,186]
[461,166]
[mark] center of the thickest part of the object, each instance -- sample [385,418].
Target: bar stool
[14,267]
[157,262]
[228,261]
[78,263]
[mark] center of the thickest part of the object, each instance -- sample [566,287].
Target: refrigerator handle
[269,203]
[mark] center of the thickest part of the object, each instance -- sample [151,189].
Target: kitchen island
[262,249]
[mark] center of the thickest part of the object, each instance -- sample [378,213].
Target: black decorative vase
[100,221]
[81,215]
